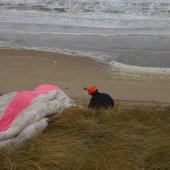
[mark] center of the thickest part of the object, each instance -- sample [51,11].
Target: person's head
[92,90]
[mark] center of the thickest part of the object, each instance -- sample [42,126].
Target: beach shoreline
[23,69]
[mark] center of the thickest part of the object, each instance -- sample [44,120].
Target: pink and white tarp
[24,114]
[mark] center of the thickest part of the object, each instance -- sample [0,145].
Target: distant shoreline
[117,70]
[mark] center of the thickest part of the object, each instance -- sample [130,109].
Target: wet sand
[25,69]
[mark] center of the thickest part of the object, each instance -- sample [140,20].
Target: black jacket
[101,100]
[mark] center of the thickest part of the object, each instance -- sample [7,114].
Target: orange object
[91,90]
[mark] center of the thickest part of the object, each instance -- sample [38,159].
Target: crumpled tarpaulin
[23,114]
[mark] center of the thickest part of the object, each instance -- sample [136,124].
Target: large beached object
[24,114]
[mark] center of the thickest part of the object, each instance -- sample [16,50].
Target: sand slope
[25,69]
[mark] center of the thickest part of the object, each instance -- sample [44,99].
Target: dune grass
[119,139]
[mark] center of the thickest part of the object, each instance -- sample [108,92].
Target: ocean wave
[96,13]
[86,20]
[106,34]
[137,7]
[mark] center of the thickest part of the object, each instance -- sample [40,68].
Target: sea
[130,32]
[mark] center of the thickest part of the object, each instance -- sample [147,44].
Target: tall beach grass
[80,138]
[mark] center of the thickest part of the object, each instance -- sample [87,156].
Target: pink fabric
[20,102]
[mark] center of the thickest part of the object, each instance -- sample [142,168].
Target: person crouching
[100,100]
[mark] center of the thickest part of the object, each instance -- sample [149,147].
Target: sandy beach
[25,69]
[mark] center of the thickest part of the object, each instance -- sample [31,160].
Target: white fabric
[32,120]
